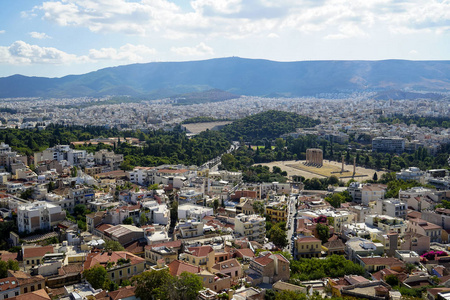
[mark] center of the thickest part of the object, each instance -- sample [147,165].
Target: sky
[60,37]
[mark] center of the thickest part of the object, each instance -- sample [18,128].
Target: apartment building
[253,227]
[388,144]
[39,215]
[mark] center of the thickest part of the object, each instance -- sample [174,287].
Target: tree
[323,231]
[216,204]
[152,284]
[113,246]
[143,219]
[8,265]
[96,276]
[278,236]
[375,176]
[153,187]
[258,207]
[128,221]
[74,172]
[392,280]
[186,287]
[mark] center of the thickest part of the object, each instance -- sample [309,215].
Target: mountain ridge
[241,76]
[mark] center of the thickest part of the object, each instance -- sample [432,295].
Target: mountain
[238,76]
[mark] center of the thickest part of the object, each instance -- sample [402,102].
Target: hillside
[238,76]
[266,125]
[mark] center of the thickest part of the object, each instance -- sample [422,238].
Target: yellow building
[202,256]
[120,265]
[308,246]
[277,212]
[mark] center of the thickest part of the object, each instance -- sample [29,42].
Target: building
[61,153]
[426,228]
[307,246]
[412,173]
[268,268]
[253,227]
[202,256]
[392,207]
[39,215]
[168,252]
[109,159]
[33,256]
[124,234]
[372,192]
[276,211]
[27,283]
[120,265]
[9,287]
[388,144]
[314,157]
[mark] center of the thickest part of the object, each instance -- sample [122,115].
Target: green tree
[186,287]
[392,280]
[143,219]
[375,177]
[8,265]
[259,208]
[323,231]
[113,246]
[74,171]
[152,284]
[216,204]
[96,276]
[128,221]
[278,237]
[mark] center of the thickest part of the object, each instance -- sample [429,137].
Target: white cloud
[273,35]
[128,52]
[2,31]
[39,35]
[20,52]
[413,52]
[200,49]
[257,18]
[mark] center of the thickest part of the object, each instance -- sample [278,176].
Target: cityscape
[226,149]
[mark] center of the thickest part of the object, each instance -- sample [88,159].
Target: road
[214,163]
[291,223]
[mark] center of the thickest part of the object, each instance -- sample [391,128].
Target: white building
[192,211]
[39,215]
[253,227]
[391,207]
[61,153]
[156,213]
[412,173]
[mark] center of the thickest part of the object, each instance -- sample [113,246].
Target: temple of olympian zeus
[314,157]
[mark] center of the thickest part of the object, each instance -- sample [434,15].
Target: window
[135,270]
[120,273]
[39,286]
[25,290]
[16,293]
[112,275]
[32,261]
[5,296]
[32,288]
[129,271]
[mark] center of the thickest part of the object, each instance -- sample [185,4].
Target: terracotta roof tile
[201,251]
[264,260]
[8,283]
[36,295]
[103,258]
[125,292]
[36,251]
[171,244]
[177,267]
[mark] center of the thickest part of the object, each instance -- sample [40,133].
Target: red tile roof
[177,267]
[36,251]
[246,252]
[201,251]
[125,292]
[8,283]
[103,227]
[36,295]
[264,260]
[103,258]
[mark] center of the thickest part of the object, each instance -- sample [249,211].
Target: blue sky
[59,37]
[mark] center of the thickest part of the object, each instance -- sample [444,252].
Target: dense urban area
[339,197]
